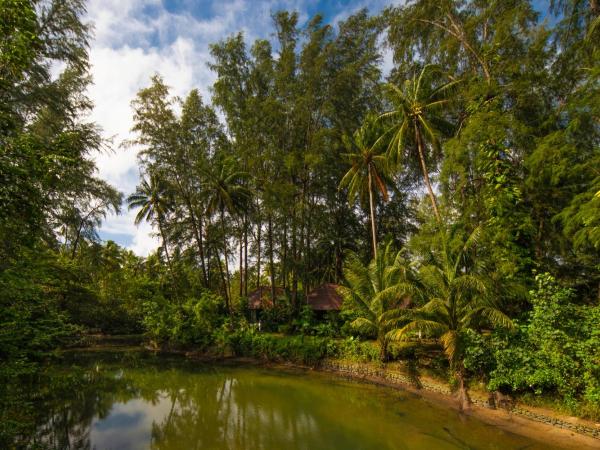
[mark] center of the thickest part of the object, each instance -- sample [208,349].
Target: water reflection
[136,401]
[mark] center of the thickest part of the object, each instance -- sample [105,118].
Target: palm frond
[428,326]
[364,325]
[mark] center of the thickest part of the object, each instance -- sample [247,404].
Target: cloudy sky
[137,38]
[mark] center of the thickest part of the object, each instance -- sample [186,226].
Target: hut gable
[261,297]
[325,298]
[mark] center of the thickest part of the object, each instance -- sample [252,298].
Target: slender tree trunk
[294,261]
[208,255]
[165,247]
[302,254]
[539,251]
[258,245]
[227,282]
[338,245]
[241,266]
[372,209]
[271,262]
[464,400]
[246,255]
[197,228]
[80,228]
[383,348]
[308,264]
[419,140]
[224,281]
[284,257]
[76,242]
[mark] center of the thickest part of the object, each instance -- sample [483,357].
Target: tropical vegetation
[475,159]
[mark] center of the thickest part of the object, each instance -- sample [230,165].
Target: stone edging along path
[399,379]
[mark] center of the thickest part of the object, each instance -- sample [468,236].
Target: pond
[135,400]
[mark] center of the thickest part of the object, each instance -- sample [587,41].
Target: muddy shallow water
[135,400]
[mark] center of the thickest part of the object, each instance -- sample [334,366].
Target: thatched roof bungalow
[261,298]
[325,298]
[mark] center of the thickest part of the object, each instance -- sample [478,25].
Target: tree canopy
[475,159]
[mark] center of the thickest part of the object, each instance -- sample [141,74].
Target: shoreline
[557,430]
[519,420]
[545,426]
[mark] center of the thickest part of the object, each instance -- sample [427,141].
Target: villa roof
[261,297]
[325,298]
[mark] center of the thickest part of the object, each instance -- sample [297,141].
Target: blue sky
[136,38]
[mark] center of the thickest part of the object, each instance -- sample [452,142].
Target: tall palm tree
[457,299]
[226,190]
[417,122]
[378,292]
[368,172]
[152,197]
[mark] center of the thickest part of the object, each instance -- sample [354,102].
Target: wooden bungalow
[260,298]
[325,298]
[322,299]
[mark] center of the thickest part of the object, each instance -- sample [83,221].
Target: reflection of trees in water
[231,412]
[189,407]
[67,406]
[64,401]
[202,408]
[213,408]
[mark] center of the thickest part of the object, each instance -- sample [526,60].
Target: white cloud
[119,70]
[135,39]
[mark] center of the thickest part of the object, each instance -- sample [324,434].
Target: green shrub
[308,350]
[354,349]
[305,321]
[556,352]
[31,320]
[276,316]
[478,357]
[193,323]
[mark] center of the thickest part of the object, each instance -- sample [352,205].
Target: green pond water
[133,400]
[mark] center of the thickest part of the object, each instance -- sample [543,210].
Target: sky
[135,39]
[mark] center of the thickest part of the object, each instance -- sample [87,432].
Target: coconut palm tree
[226,190]
[417,122]
[456,298]
[378,292]
[152,197]
[368,172]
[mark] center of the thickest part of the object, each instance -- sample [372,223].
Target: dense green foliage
[377,293]
[555,351]
[50,198]
[475,161]
[190,323]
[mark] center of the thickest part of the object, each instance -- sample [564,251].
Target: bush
[277,315]
[478,357]
[308,350]
[191,323]
[555,352]
[305,321]
[32,322]
[353,349]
